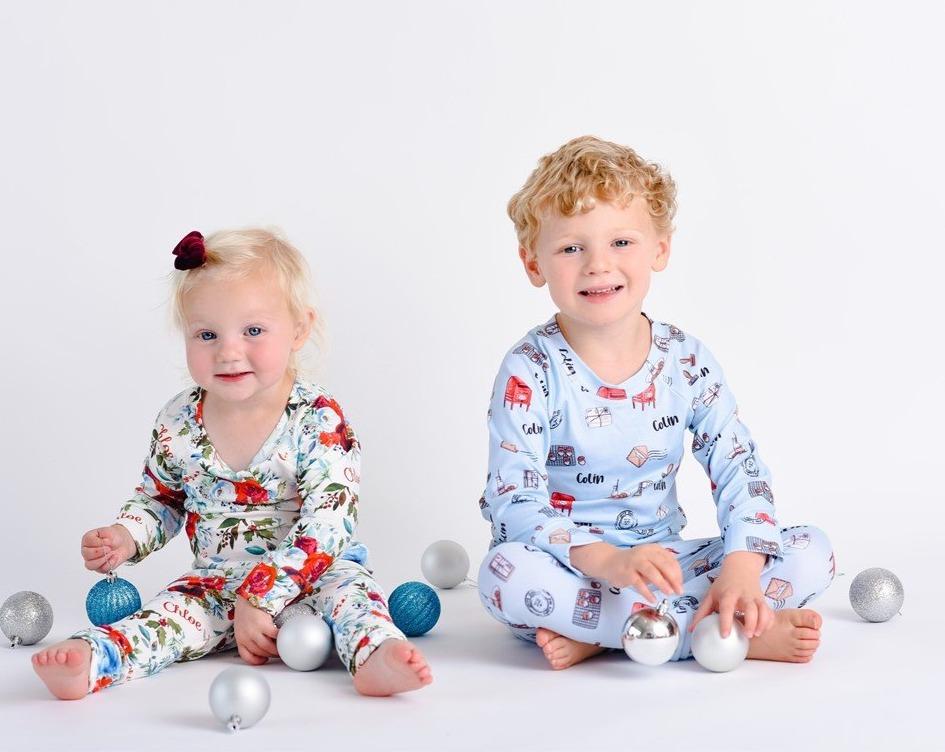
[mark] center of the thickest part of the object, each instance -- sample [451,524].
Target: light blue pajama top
[573,460]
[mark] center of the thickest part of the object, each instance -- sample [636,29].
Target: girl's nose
[230,349]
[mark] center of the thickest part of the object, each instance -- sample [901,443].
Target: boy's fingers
[640,586]
[705,608]
[726,615]
[750,620]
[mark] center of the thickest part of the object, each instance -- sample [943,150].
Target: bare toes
[544,636]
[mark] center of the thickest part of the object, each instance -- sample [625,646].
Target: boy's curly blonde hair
[572,179]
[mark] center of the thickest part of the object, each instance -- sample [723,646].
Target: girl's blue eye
[571,249]
[207,336]
[254,331]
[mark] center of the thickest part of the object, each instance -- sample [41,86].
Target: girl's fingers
[96,564]
[265,646]
[95,552]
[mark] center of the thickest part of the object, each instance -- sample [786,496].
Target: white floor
[871,686]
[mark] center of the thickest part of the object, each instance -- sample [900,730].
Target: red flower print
[313,567]
[259,581]
[196,587]
[191,528]
[102,683]
[342,435]
[198,413]
[375,596]
[166,496]
[250,492]
[362,642]
[118,638]
[307,544]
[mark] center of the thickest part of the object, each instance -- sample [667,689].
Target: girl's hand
[738,590]
[641,565]
[105,548]
[255,633]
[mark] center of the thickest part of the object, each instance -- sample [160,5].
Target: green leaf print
[162,636]
[229,522]
[335,487]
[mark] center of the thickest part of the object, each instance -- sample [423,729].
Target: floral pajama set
[574,461]
[276,533]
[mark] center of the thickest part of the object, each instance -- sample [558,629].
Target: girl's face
[240,337]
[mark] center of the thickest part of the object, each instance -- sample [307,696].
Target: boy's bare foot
[563,652]
[794,637]
[64,667]
[395,666]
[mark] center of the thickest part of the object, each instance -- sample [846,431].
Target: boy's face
[598,264]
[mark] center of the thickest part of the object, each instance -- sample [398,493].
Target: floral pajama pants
[193,616]
[525,588]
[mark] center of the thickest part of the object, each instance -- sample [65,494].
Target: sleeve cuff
[744,536]
[558,540]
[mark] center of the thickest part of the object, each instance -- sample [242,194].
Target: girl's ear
[302,329]
[530,262]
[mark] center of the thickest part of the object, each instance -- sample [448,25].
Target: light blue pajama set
[574,461]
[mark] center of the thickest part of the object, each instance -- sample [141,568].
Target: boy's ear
[662,255]
[303,328]
[530,262]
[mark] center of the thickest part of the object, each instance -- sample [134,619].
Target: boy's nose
[596,261]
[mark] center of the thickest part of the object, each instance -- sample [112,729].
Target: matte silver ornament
[290,612]
[304,643]
[876,594]
[445,564]
[239,697]
[25,618]
[715,652]
[651,635]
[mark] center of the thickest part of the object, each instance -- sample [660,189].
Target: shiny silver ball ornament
[714,652]
[304,643]
[25,618]
[876,594]
[290,612]
[651,635]
[239,697]
[445,564]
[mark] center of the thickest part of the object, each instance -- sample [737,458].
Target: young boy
[586,430]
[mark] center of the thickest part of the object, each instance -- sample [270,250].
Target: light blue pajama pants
[525,588]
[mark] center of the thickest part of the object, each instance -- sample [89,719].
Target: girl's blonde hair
[587,169]
[241,253]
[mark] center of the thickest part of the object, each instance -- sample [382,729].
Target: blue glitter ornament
[111,599]
[414,607]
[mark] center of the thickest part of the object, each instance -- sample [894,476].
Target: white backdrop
[385,139]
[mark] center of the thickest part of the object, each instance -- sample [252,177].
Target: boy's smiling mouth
[598,292]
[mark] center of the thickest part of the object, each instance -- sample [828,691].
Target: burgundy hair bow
[190,252]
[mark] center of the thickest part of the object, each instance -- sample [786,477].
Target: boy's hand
[255,633]
[105,548]
[639,566]
[738,589]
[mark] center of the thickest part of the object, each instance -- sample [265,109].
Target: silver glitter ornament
[445,564]
[290,612]
[876,594]
[25,618]
[714,652]
[651,635]
[304,643]
[239,697]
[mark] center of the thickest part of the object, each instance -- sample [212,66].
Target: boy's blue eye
[571,249]
[621,243]
[207,336]
[254,331]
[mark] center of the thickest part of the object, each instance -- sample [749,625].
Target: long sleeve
[517,500]
[740,480]
[328,477]
[156,512]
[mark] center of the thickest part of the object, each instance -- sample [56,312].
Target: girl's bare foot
[563,652]
[64,667]
[395,666]
[794,637]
